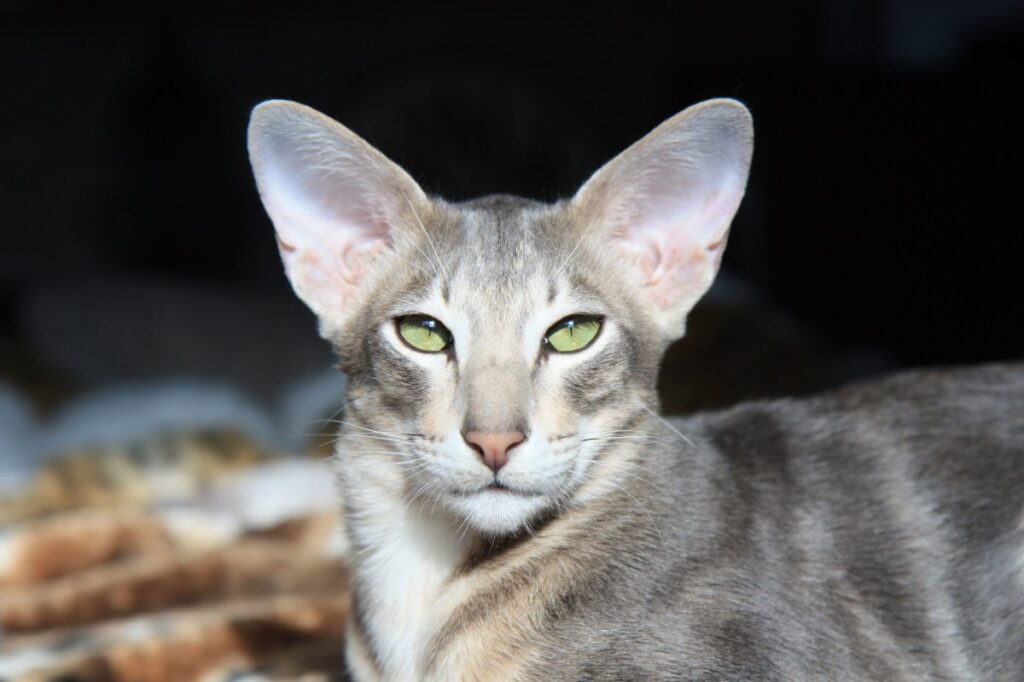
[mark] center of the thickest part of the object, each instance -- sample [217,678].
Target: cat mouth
[495,487]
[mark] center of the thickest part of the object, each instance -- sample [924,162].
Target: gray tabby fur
[873,533]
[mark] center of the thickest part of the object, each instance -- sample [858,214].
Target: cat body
[516,508]
[829,538]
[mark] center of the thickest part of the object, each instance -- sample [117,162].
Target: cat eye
[424,333]
[573,333]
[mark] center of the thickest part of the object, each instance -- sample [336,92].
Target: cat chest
[428,627]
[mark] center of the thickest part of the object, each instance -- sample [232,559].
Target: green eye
[573,333]
[424,333]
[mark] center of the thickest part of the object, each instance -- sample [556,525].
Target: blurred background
[155,366]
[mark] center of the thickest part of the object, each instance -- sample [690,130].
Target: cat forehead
[505,244]
[498,260]
[497,230]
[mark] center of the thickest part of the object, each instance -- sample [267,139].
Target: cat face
[498,349]
[502,306]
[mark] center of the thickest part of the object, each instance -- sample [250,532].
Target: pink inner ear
[678,242]
[332,282]
[356,255]
[327,258]
[678,270]
[649,258]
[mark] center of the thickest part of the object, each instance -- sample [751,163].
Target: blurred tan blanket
[236,575]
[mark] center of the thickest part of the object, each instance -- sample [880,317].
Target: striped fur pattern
[875,533]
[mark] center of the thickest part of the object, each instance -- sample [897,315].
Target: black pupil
[569,324]
[431,325]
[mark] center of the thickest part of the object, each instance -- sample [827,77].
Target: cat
[518,510]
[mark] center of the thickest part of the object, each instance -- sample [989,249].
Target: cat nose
[493,448]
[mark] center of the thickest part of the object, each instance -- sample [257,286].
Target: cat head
[496,349]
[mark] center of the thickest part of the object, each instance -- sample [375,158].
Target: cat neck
[404,555]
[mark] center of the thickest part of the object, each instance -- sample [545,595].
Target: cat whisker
[396,231]
[423,229]
[621,488]
[439,270]
[343,422]
[568,258]
[436,273]
[355,445]
[669,426]
[370,436]
[627,438]
[639,431]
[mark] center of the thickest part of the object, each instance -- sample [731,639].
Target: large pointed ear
[667,203]
[334,201]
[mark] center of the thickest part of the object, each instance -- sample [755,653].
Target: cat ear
[667,202]
[334,201]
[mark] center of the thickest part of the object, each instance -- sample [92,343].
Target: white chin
[498,512]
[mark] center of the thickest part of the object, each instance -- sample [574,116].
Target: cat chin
[498,512]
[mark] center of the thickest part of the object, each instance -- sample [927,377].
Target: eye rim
[449,341]
[548,348]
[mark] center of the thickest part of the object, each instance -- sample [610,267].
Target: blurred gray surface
[129,329]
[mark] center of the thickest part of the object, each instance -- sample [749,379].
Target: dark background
[883,211]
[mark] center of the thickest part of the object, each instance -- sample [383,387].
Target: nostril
[517,439]
[479,450]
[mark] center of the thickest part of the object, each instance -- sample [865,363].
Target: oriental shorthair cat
[517,509]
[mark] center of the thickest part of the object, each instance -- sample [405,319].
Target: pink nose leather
[493,448]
